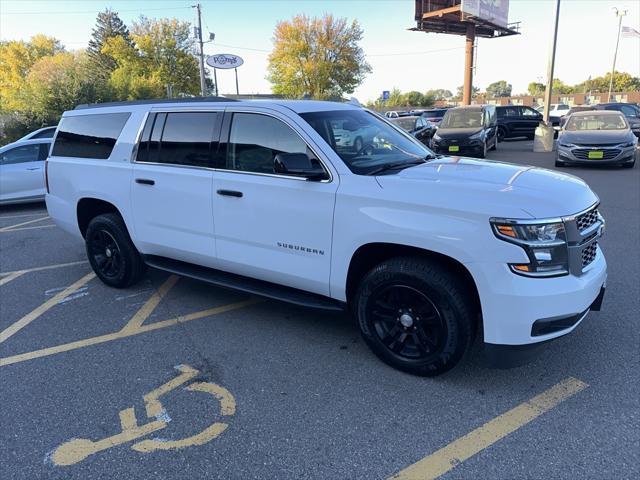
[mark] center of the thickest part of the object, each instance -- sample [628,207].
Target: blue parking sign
[385,94]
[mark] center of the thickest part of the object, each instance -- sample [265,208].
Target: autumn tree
[108,26]
[317,57]
[159,60]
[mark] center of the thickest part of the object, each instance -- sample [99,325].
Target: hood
[457,133]
[491,188]
[596,137]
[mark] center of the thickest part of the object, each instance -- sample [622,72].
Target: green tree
[622,82]
[413,99]
[560,88]
[474,91]
[439,94]
[317,57]
[160,59]
[535,88]
[108,25]
[499,89]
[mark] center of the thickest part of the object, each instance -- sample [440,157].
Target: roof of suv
[298,106]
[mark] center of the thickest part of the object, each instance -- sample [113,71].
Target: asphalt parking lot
[177,379]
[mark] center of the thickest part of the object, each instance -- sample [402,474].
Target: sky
[399,58]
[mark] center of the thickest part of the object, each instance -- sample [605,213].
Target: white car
[22,171]
[46,132]
[422,249]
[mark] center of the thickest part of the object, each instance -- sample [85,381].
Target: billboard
[494,11]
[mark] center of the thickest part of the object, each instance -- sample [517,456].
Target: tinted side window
[529,112]
[187,137]
[48,133]
[255,140]
[510,112]
[23,154]
[89,136]
[628,111]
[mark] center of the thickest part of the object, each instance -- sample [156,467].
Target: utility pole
[468,64]
[550,66]
[203,85]
[619,14]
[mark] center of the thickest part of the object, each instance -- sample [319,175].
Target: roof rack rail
[155,100]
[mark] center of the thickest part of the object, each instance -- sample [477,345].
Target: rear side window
[179,138]
[89,136]
[46,133]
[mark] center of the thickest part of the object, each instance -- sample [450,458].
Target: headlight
[545,244]
[566,145]
[476,136]
[626,145]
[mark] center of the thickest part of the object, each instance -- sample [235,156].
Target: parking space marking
[6,217]
[45,352]
[28,222]
[77,449]
[53,301]
[150,305]
[26,228]
[6,277]
[465,447]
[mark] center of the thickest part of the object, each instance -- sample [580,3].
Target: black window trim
[216,134]
[224,145]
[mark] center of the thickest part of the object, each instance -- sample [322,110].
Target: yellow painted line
[9,277]
[5,217]
[150,305]
[26,228]
[28,222]
[45,352]
[16,273]
[34,314]
[465,447]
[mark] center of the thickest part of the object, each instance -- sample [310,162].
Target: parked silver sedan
[597,137]
[22,171]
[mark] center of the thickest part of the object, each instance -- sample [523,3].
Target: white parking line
[11,227]
[8,276]
[6,217]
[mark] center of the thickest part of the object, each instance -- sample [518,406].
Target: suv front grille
[607,153]
[589,254]
[587,219]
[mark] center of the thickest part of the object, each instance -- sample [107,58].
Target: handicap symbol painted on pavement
[77,449]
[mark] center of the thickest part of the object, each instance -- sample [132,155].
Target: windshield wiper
[400,165]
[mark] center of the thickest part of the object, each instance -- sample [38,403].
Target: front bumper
[463,146]
[512,304]
[610,155]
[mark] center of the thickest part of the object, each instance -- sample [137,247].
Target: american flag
[630,32]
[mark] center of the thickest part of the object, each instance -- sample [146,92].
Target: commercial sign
[494,11]
[224,60]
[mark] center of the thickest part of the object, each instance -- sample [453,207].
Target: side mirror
[299,165]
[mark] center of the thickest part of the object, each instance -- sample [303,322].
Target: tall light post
[619,14]
[203,85]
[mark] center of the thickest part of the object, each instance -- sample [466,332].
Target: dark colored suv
[517,121]
[629,110]
[469,130]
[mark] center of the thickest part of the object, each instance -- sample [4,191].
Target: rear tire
[111,253]
[415,315]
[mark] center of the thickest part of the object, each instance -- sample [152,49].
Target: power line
[84,12]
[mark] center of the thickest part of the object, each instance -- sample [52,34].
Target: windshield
[433,113]
[462,119]
[364,141]
[596,122]
[406,123]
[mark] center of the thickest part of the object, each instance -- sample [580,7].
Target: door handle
[145,181]
[230,193]
[34,168]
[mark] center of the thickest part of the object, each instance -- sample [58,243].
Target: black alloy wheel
[105,254]
[407,322]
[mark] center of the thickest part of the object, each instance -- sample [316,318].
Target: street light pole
[552,60]
[619,14]
[203,85]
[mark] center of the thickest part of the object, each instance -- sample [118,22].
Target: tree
[317,57]
[622,82]
[108,25]
[535,88]
[413,99]
[474,91]
[499,89]
[160,60]
[440,94]
[560,88]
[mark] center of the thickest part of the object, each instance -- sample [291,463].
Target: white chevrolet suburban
[424,250]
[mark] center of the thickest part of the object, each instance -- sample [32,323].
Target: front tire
[111,253]
[502,134]
[415,315]
[560,164]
